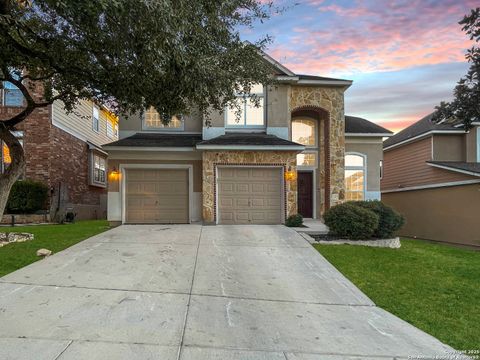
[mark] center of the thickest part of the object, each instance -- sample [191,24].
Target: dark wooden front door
[305,193]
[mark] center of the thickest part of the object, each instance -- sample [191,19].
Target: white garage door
[249,195]
[157,196]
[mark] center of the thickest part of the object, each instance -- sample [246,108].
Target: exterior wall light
[290,175]
[114,175]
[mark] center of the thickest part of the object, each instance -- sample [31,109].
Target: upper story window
[112,124]
[355,171]
[11,95]
[153,121]
[250,109]
[304,132]
[96,119]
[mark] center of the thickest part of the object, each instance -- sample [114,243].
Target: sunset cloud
[405,56]
[374,36]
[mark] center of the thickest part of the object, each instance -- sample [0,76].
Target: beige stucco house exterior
[296,153]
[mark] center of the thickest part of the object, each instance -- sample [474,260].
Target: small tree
[465,105]
[131,54]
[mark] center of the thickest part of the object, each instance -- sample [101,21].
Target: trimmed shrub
[26,197]
[294,220]
[351,222]
[389,220]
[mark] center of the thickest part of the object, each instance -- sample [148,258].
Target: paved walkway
[193,292]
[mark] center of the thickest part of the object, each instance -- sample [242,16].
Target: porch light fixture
[290,175]
[114,175]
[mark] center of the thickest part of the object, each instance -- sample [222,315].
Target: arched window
[304,131]
[355,171]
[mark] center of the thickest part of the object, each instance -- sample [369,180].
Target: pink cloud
[375,36]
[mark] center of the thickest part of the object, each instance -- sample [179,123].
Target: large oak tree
[131,54]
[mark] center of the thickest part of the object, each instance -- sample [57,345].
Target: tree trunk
[14,170]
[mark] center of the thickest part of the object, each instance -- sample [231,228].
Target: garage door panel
[157,196]
[250,195]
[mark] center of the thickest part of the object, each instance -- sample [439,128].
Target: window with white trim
[249,110]
[153,121]
[98,175]
[11,95]
[112,129]
[96,119]
[355,172]
[304,131]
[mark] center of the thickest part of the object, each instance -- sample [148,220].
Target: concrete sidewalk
[191,292]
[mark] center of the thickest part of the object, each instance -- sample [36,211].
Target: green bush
[351,222]
[26,197]
[389,220]
[294,220]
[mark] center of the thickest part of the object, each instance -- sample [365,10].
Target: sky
[404,57]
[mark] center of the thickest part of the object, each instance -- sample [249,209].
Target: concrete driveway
[193,292]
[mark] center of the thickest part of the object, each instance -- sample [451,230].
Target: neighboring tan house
[64,152]
[286,157]
[432,176]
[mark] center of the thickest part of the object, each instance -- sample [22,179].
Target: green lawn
[53,237]
[434,287]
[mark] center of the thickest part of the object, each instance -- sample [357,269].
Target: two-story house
[432,176]
[295,153]
[64,152]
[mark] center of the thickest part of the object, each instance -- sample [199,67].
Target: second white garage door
[157,196]
[249,195]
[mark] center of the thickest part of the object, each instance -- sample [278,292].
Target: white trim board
[382,135]
[431,186]
[147,148]
[252,147]
[123,180]
[454,169]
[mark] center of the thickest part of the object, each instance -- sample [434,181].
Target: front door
[305,193]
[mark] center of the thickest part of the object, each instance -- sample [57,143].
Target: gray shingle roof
[357,125]
[259,139]
[158,140]
[422,126]
[472,167]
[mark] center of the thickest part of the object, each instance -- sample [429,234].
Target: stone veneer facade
[330,99]
[211,159]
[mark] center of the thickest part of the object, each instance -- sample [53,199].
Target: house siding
[79,122]
[449,147]
[405,166]
[447,214]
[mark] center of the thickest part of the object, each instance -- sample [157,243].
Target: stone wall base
[25,218]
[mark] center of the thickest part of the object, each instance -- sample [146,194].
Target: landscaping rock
[44,252]
[393,243]
[20,237]
[6,238]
